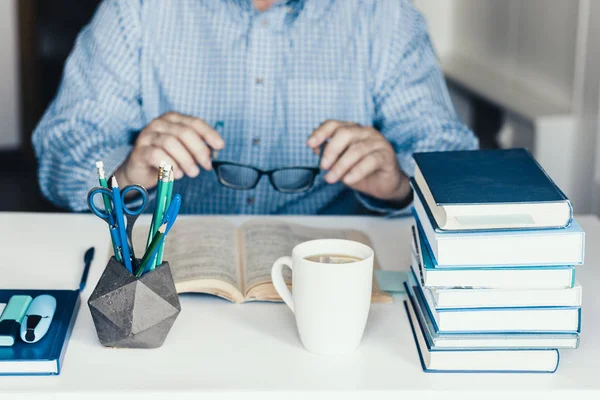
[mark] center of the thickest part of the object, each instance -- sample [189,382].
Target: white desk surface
[219,349]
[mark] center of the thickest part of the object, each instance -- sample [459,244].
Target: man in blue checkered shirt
[148,80]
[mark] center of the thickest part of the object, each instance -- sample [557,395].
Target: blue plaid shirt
[272,77]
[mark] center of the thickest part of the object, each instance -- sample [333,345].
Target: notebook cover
[425,369]
[431,333]
[438,234]
[416,292]
[421,200]
[427,257]
[53,345]
[487,177]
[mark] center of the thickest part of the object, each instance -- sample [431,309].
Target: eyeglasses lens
[237,176]
[293,179]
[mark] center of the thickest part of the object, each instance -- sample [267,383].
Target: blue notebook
[490,189]
[499,320]
[46,356]
[469,341]
[564,246]
[485,277]
[478,360]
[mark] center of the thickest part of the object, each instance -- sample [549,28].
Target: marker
[39,316]
[10,321]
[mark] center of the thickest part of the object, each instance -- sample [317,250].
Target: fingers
[179,137]
[324,132]
[193,143]
[365,167]
[343,137]
[206,132]
[170,143]
[155,155]
[355,153]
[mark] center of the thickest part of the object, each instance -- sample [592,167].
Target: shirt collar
[311,9]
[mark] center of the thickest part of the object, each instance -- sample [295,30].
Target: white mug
[331,302]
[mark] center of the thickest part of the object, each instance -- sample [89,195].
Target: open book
[212,255]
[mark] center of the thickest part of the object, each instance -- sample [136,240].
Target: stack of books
[492,286]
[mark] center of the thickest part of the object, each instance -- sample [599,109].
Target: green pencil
[155,220]
[159,255]
[107,204]
[157,240]
[161,200]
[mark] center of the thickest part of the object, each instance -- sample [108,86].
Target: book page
[199,249]
[264,241]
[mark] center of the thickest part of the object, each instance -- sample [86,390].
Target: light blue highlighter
[38,318]
[11,317]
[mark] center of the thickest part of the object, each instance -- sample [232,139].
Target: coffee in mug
[333,258]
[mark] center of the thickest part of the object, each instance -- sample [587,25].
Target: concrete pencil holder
[130,312]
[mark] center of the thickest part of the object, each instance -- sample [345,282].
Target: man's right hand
[180,140]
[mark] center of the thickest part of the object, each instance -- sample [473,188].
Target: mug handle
[279,283]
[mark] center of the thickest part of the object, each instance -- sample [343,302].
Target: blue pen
[172,212]
[120,221]
[169,219]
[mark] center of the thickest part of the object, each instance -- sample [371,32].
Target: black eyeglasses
[285,180]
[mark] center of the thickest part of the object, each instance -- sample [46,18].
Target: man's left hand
[361,158]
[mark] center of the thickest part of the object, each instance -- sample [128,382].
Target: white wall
[549,49]
[439,14]
[9,78]
[532,41]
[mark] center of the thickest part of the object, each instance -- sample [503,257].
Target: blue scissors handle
[100,213]
[141,192]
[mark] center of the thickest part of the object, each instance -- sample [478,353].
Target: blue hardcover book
[500,247]
[500,320]
[498,341]
[44,357]
[490,189]
[485,277]
[479,360]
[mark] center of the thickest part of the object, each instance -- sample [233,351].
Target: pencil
[120,222]
[107,206]
[148,258]
[161,200]
[159,255]
[154,223]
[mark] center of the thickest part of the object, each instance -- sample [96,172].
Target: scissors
[120,210]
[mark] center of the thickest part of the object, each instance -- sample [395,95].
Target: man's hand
[177,139]
[361,158]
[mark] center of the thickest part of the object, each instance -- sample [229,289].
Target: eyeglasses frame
[216,164]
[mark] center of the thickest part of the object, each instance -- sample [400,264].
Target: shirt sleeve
[97,111]
[412,106]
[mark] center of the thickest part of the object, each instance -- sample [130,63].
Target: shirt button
[265,22]
[260,80]
[250,201]
[256,141]
[289,10]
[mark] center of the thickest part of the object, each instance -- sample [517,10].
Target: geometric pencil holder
[130,312]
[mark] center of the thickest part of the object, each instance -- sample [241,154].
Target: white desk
[224,350]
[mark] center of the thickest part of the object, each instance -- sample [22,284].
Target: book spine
[64,344]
